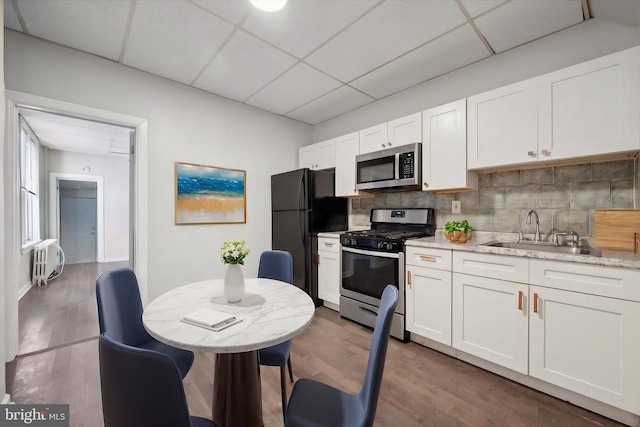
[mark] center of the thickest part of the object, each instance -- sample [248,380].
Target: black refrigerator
[303,204]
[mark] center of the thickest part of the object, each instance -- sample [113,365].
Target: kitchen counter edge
[610,258]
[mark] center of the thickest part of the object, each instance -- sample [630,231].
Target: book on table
[210,319]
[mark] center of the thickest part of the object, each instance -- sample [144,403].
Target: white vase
[233,283]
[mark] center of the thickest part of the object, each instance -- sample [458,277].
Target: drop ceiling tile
[173,39]
[232,11]
[302,26]
[522,21]
[296,87]
[330,105]
[453,50]
[478,7]
[11,17]
[94,27]
[387,32]
[243,66]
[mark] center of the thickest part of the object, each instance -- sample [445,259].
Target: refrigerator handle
[301,228]
[301,194]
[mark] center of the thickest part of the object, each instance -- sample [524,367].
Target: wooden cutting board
[615,228]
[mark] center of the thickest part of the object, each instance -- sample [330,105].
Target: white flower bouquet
[234,252]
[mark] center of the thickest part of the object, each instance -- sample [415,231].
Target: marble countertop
[609,258]
[271,313]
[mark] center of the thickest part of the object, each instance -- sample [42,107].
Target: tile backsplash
[563,196]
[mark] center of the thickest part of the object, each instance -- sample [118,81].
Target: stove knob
[380,245]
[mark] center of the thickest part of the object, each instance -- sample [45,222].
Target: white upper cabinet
[321,155]
[347,148]
[402,131]
[502,126]
[591,108]
[444,148]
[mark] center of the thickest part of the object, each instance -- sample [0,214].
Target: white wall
[580,43]
[184,124]
[115,174]
[4,289]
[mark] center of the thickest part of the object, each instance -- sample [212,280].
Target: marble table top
[271,312]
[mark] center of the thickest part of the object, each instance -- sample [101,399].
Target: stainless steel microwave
[397,167]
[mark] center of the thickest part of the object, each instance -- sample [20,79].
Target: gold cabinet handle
[409,278]
[520,297]
[327,244]
[535,303]
[428,258]
[388,144]
[531,154]
[545,152]
[383,145]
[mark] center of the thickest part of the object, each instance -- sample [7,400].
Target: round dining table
[270,311]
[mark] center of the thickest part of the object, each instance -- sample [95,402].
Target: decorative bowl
[458,236]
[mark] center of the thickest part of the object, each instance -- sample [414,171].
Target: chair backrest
[277,265]
[120,307]
[377,354]
[140,387]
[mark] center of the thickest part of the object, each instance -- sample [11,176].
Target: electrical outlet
[456,205]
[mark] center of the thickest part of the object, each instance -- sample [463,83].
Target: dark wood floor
[421,387]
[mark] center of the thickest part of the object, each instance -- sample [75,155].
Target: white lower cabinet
[428,293]
[490,320]
[586,343]
[329,271]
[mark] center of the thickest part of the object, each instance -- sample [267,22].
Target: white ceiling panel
[330,105]
[387,32]
[529,20]
[229,48]
[304,25]
[296,87]
[91,26]
[243,66]
[453,50]
[233,11]
[160,42]
[478,7]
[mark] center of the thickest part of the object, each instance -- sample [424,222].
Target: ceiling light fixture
[269,5]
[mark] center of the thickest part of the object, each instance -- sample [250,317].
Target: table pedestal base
[237,392]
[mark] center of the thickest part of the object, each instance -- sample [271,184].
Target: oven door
[365,274]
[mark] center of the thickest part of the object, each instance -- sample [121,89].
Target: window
[29,179]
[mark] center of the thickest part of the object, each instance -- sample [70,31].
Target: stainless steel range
[371,259]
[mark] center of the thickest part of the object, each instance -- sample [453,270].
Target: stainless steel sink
[545,247]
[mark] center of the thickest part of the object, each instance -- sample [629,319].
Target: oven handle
[372,253]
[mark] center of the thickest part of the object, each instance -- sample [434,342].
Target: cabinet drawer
[440,259]
[513,269]
[623,283]
[328,244]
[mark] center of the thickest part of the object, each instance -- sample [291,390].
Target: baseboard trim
[114,259]
[24,289]
[6,399]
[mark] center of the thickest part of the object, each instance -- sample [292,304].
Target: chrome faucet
[536,236]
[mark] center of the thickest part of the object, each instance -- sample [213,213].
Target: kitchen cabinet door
[502,126]
[329,272]
[402,131]
[586,343]
[444,148]
[318,156]
[591,108]
[373,138]
[428,303]
[347,148]
[490,320]
[405,130]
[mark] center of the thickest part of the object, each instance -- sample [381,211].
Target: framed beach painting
[209,195]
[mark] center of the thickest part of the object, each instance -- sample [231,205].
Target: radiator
[48,261]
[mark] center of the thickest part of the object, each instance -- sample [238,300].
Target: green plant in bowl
[458,231]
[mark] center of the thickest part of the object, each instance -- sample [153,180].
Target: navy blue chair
[142,387]
[120,316]
[316,404]
[277,265]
